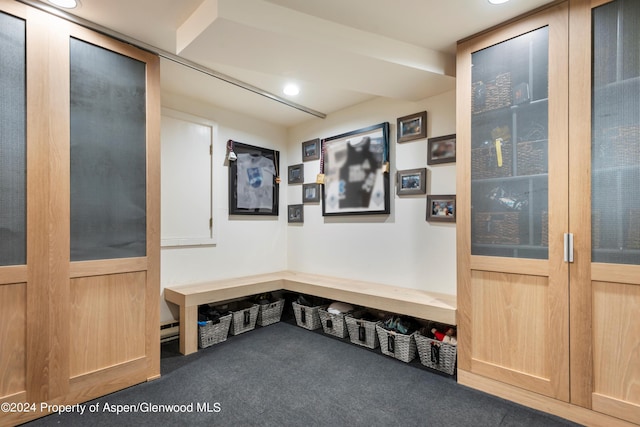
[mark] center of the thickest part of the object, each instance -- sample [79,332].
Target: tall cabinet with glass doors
[548,197]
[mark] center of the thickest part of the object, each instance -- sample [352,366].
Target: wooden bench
[411,302]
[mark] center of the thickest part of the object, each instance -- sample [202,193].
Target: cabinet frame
[475,271]
[45,284]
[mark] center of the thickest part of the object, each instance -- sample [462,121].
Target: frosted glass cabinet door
[509,147]
[12,141]
[512,196]
[108,154]
[615,159]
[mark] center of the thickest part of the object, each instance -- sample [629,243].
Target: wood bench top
[412,302]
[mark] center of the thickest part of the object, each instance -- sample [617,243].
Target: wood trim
[16,397]
[59,206]
[513,377]
[13,274]
[580,322]
[596,3]
[107,266]
[511,21]
[463,201]
[38,250]
[628,274]
[532,267]
[540,402]
[99,377]
[152,300]
[608,405]
[558,357]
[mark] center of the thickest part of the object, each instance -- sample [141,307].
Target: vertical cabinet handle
[568,247]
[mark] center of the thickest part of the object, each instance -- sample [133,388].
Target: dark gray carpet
[284,375]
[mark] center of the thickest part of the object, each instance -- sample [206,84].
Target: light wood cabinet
[79,290]
[548,238]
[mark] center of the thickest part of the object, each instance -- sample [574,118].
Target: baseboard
[539,402]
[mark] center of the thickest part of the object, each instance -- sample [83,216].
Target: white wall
[245,245]
[402,248]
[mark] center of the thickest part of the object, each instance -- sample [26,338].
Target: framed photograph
[295,213]
[412,181]
[441,149]
[311,193]
[441,208]
[356,172]
[311,150]
[412,127]
[253,181]
[296,174]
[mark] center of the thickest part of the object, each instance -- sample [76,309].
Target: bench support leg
[188,329]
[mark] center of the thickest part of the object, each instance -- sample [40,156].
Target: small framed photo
[441,149]
[311,193]
[311,150]
[412,127]
[441,208]
[296,174]
[412,181]
[295,213]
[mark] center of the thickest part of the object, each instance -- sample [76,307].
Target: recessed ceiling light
[291,89]
[67,4]
[498,1]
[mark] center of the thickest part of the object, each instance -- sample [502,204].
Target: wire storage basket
[362,332]
[307,317]
[435,354]
[270,313]
[210,333]
[397,345]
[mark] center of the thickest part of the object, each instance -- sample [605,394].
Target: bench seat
[411,302]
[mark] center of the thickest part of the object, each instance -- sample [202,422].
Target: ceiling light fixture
[291,89]
[67,4]
[498,1]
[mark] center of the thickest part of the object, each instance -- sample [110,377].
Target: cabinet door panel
[513,202]
[605,279]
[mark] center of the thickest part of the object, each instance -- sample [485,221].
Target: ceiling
[340,52]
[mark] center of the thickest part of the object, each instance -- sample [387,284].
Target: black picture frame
[295,174]
[254,181]
[412,127]
[441,208]
[295,213]
[356,172]
[441,149]
[411,182]
[311,193]
[311,150]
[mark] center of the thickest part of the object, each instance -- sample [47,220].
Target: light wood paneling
[510,321]
[13,338]
[581,359]
[107,266]
[107,321]
[13,274]
[537,401]
[154,115]
[616,333]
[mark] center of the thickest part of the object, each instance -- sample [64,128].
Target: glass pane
[108,154]
[509,148]
[615,149]
[13,173]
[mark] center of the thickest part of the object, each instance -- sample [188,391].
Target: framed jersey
[253,181]
[356,172]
